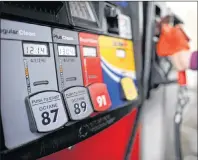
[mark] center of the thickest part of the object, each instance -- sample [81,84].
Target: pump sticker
[99,96]
[78,102]
[48,110]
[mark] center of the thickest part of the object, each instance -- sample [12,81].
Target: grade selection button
[129,89]
[47,111]
[78,102]
[100,96]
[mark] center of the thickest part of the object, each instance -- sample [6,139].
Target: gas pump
[28,67]
[61,75]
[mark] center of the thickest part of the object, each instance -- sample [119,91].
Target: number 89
[77,107]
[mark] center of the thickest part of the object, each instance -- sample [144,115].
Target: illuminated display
[66,51]
[35,49]
[89,52]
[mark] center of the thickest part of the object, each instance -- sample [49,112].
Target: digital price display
[66,51]
[33,49]
[89,52]
[120,53]
[82,10]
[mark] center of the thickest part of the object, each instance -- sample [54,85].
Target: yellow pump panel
[109,46]
[118,64]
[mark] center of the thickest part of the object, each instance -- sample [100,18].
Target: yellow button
[129,89]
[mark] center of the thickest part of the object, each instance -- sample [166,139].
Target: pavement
[158,125]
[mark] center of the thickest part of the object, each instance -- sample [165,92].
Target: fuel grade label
[100,96]
[48,111]
[78,102]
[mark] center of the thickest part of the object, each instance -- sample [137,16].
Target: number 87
[101,100]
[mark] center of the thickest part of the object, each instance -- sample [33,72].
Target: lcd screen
[34,49]
[66,51]
[89,52]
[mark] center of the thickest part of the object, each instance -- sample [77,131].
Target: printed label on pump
[99,96]
[48,110]
[129,89]
[78,102]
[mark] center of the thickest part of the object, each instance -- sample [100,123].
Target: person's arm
[193,61]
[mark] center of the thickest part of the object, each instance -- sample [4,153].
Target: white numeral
[101,100]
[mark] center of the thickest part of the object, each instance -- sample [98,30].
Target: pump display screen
[89,52]
[66,51]
[120,53]
[82,10]
[33,49]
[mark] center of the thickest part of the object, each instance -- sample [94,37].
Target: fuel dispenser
[28,80]
[66,66]
[172,40]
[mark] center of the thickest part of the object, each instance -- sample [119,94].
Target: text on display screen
[66,50]
[34,49]
[89,52]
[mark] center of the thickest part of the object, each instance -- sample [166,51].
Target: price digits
[101,100]
[80,107]
[46,117]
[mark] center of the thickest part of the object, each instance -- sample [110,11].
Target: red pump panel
[90,57]
[136,147]
[109,144]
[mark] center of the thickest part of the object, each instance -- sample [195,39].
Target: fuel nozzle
[173,40]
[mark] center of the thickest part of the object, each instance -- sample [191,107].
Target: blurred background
[158,111]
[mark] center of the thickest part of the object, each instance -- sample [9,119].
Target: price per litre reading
[66,51]
[78,103]
[99,96]
[47,111]
[33,49]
